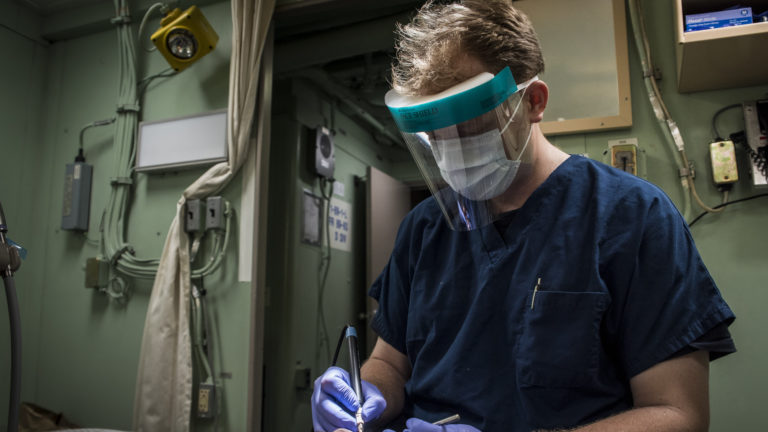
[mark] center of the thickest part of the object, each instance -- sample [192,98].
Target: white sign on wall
[340,225]
[338,188]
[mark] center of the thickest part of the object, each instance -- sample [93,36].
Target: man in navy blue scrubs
[534,290]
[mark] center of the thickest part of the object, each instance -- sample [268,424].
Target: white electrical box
[183,142]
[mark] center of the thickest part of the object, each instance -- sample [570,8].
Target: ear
[537,95]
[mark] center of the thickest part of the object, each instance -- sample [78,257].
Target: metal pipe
[13,312]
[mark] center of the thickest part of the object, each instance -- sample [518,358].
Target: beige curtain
[163,399]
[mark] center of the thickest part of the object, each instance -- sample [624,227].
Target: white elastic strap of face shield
[523,87]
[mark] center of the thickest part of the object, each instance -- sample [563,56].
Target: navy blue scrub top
[622,288]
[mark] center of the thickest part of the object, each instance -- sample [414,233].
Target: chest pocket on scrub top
[560,341]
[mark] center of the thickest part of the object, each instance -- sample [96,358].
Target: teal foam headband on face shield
[468,143]
[458,104]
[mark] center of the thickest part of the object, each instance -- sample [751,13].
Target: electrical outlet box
[723,156]
[96,273]
[193,215]
[625,158]
[623,155]
[214,213]
[206,400]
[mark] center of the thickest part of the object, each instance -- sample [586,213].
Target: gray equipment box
[77,197]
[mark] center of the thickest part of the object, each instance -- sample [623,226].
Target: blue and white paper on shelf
[340,225]
[726,18]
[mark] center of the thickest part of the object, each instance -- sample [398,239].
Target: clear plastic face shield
[469,143]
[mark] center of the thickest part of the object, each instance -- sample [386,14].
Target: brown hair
[431,48]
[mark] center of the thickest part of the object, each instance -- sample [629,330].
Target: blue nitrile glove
[334,402]
[417,425]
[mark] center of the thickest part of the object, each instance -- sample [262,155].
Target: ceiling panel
[45,7]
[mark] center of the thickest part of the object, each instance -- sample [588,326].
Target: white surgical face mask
[477,166]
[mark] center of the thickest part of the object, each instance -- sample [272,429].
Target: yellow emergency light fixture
[183,38]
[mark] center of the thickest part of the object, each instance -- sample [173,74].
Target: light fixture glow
[183,38]
[181,43]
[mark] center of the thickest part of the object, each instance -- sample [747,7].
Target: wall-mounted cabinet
[723,57]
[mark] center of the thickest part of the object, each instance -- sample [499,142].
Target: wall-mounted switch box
[623,154]
[723,157]
[77,197]
[96,273]
[214,213]
[193,215]
[624,157]
[323,153]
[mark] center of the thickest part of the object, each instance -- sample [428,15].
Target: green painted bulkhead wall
[81,350]
[22,79]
